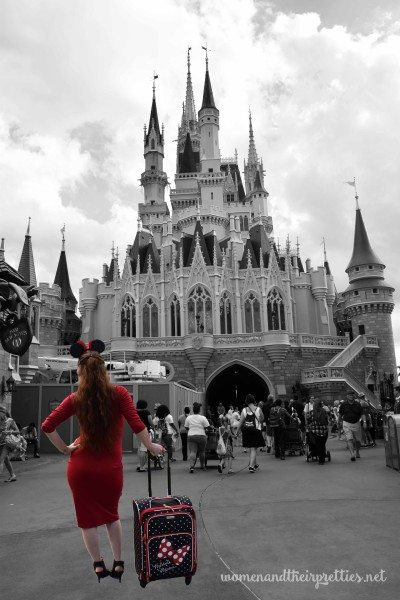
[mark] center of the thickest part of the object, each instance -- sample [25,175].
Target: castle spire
[208,98]
[62,276]
[252,158]
[27,265]
[362,251]
[153,121]
[190,109]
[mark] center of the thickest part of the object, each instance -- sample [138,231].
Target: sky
[322,80]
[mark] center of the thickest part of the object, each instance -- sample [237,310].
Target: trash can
[391,430]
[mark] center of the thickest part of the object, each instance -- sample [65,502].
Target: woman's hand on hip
[70,449]
[156,449]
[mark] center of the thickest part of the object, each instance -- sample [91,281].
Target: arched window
[246,223]
[252,314]
[153,144]
[150,319]
[175,316]
[225,313]
[128,317]
[200,311]
[275,311]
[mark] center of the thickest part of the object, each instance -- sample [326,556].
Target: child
[225,432]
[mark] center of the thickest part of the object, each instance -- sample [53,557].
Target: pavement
[291,519]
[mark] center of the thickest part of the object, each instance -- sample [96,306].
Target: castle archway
[231,383]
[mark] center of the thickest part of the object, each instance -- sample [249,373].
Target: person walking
[167,431]
[145,417]
[183,432]
[266,409]
[225,433]
[196,425]
[250,424]
[317,421]
[7,428]
[350,413]
[94,471]
[278,419]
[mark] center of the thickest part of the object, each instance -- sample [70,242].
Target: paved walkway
[289,516]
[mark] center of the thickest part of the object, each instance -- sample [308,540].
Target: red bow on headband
[166,550]
[79,347]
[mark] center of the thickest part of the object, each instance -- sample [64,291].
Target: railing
[353,350]
[320,341]
[332,374]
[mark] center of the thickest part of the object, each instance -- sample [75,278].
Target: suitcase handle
[149,475]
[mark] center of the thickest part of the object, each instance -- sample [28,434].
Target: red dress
[96,478]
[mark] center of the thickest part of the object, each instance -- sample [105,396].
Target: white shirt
[168,420]
[196,424]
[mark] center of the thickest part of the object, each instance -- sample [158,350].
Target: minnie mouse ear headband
[79,347]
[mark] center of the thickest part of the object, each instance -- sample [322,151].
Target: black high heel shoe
[101,574]
[117,574]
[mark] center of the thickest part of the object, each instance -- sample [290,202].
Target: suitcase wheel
[188,579]
[142,583]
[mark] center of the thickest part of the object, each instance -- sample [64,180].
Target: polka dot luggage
[164,536]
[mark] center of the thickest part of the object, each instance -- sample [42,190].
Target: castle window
[128,317]
[356,293]
[374,290]
[225,314]
[357,268]
[153,167]
[241,223]
[175,316]
[370,267]
[246,223]
[361,330]
[150,319]
[275,311]
[211,170]
[153,144]
[200,318]
[212,195]
[252,314]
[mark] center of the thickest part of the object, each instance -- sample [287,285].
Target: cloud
[323,87]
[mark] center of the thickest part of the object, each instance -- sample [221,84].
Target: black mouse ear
[77,349]
[97,346]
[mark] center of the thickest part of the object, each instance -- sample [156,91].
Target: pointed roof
[62,279]
[259,240]
[258,186]
[213,247]
[153,121]
[248,248]
[208,98]
[198,235]
[252,158]
[362,251]
[6,271]
[187,162]
[27,265]
[190,109]
[143,247]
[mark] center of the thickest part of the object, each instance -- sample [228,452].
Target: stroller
[312,449]
[294,442]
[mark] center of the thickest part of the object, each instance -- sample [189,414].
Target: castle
[205,289]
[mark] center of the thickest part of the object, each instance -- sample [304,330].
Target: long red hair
[95,405]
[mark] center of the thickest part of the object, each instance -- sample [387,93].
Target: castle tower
[209,128]
[189,125]
[71,323]
[259,201]
[368,298]
[153,179]
[27,265]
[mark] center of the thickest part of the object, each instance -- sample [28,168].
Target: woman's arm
[60,444]
[144,437]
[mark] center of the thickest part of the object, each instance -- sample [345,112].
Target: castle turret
[209,128]
[368,298]
[253,164]
[71,323]
[154,180]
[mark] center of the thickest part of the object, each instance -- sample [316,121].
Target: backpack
[162,427]
[250,421]
[275,418]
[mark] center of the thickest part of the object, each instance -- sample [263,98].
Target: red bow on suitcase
[166,550]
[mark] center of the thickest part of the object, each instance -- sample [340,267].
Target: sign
[16,335]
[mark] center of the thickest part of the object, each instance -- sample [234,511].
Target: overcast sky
[322,79]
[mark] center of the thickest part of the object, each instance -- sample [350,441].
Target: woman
[166,429]
[145,416]
[235,420]
[196,425]
[225,433]
[94,468]
[7,427]
[250,424]
[318,425]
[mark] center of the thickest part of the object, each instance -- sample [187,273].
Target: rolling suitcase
[164,535]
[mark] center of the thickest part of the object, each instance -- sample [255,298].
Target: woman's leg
[114,532]
[253,457]
[91,539]
[192,444]
[8,465]
[201,444]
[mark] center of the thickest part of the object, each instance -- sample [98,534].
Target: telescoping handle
[149,475]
